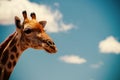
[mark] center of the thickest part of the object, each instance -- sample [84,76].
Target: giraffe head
[32,34]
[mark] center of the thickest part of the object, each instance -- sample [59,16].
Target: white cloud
[110,45]
[72,59]
[97,65]
[9,9]
[56,4]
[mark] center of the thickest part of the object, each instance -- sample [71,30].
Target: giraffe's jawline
[50,51]
[47,50]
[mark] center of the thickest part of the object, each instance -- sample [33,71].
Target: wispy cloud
[110,45]
[97,65]
[54,18]
[56,4]
[72,59]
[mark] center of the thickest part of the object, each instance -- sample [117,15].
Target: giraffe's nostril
[50,43]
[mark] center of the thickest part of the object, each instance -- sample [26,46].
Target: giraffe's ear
[17,22]
[43,23]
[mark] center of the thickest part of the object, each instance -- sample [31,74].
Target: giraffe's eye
[27,31]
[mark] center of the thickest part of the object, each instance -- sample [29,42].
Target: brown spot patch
[14,63]
[14,49]
[0,70]
[4,57]
[5,43]
[17,45]
[17,55]
[6,75]
[9,65]
[12,56]
[13,42]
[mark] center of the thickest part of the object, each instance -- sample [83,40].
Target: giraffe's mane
[5,43]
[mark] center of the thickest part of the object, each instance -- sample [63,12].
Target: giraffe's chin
[50,50]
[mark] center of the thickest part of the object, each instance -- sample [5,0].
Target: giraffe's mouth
[51,49]
[47,50]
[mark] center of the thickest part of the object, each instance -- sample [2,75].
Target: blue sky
[87,36]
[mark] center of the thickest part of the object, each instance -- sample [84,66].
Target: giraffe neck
[10,51]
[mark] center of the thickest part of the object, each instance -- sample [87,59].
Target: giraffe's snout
[50,46]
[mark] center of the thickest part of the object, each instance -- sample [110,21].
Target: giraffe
[29,34]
